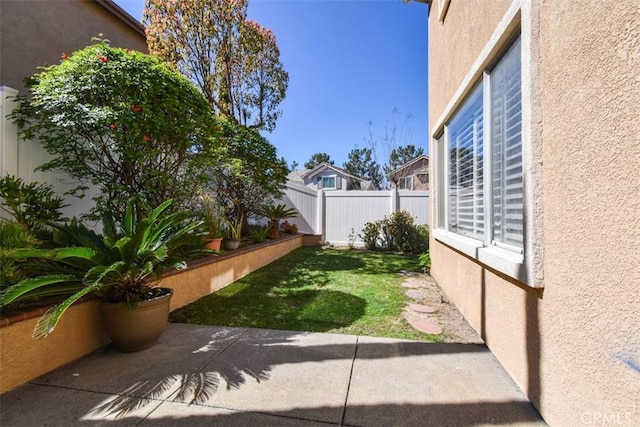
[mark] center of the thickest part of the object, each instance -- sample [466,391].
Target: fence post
[393,193]
[8,134]
[320,211]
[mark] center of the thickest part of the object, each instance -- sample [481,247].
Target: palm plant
[274,213]
[117,267]
[278,212]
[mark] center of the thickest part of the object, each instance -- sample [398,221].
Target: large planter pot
[140,328]
[231,244]
[214,244]
[273,232]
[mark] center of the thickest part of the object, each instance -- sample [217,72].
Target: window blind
[465,201]
[506,138]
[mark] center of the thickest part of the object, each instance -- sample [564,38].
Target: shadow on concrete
[190,365]
[406,415]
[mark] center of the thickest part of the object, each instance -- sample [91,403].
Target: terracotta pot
[231,244]
[273,232]
[140,328]
[214,244]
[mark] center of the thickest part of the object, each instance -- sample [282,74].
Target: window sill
[502,260]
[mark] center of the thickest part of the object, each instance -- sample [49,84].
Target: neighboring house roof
[297,175]
[324,166]
[399,169]
[301,175]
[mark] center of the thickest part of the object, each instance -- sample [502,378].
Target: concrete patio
[201,375]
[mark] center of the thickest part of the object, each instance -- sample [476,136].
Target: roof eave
[123,15]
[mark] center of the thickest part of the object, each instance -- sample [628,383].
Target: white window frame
[523,265]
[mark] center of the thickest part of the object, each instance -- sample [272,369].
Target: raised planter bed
[81,330]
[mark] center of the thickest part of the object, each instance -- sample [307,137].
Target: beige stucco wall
[216,273]
[573,347]
[81,329]
[36,33]
[23,358]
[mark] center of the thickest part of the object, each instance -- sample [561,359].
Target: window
[329,182]
[480,160]
[405,183]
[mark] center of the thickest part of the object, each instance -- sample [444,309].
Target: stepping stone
[406,273]
[426,326]
[413,285]
[421,308]
[416,294]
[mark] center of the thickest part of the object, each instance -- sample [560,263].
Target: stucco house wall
[36,33]
[568,334]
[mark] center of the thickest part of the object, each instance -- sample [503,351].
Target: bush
[424,261]
[396,232]
[13,236]
[259,233]
[123,121]
[30,205]
[371,234]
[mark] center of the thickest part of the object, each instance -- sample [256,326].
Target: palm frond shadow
[194,388]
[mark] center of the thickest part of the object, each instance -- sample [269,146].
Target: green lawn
[318,290]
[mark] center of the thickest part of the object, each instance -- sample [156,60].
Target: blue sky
[354,67]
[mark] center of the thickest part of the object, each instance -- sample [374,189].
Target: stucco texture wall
[574,347]
[36,33]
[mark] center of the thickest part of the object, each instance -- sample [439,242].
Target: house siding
[36,33]
[419,171]
[573,346]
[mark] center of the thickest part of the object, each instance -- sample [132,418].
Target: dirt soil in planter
[422,289]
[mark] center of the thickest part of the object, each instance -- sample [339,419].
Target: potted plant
[234,233]
[121,268]
[213,222]
[274,213]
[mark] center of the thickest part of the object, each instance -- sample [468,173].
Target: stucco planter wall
[82,331]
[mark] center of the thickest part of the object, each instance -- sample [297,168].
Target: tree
[362,164]
[123,121]
[401,155]
[245,171]
[316,159]
[388,150]
[235,62]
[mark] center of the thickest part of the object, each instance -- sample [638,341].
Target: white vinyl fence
[333,214]
[21,158]
[338,214]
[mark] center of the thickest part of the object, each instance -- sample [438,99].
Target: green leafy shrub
[13,236]
[123,121]
[244,170]
[396,232]
[119,267]
[31,205]
[424,261]
[371,235]
[259,233]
